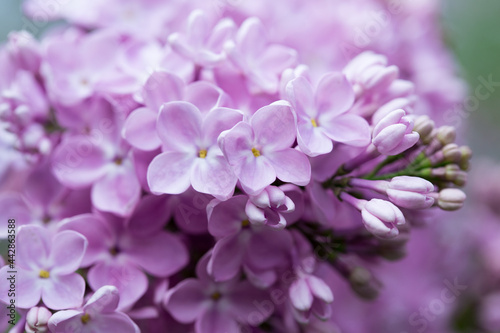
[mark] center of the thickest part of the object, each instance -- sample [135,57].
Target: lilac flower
[381,218]
[191,156]
[46,268]
[202,43]
[322,116]
[99,314]
[260,61]
[241,244]
[273,206]
[120,251]
[160,88]
[259,151]
[215,307]
[394,133]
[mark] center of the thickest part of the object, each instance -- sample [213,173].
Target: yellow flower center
[313,122]
[202,153]
[85,318]
[44,274]
[216,295]
[255,152]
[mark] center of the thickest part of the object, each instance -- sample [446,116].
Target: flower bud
[24,50]
[466,154]
[424,126]
[456,175]
[446,135]
[36,319]
[452,153]
[381,217]
[410,192]
[393,134]
[451,199]
[394,104]
[364,283]
[369,72]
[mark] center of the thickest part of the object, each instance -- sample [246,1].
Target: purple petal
[312,141]
[212,175]
[140,129]
[28,286]
[300,295]
[63,291]
[291,166]
[227,256]
[104,300]
[217,121]
[215,320]
[276,58]
[118,192]
[187,301]
[160,255]
[150,215]
[300,94]
[162,87]
[12,206]
[68,248]
[334,94]
[255,174]
[225,218]
[65,321]
[113,323]
[251,38]
[320,289]
[249,304]
[179,126]
[350,129]
[78,162]
[274,127]
[95,230]
[130,281]
[205,96]
[33,248]
[170,173]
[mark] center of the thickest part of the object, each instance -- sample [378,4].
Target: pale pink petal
[32,247]
[179,126]
[320,289]
[130,281]
[104,300]
[205,96]
[212,175]
[274,126]
[217,121]
[312,140]
[118,192]
[162,87]
[28,288]
[117,322]
[63,291]
[65,321]
[300,295]
[170,173]
[276,58]
[300,94]
[291,166]
[140,129]
[334,94]
[256,173]
[79,161]
[251,38]
[68,248]
[350,129]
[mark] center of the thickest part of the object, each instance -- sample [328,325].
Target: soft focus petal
[63,291]
[170,173]
[68,248]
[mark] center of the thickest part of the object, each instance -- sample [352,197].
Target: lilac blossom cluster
[189,166]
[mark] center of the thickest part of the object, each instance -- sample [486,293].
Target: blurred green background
[470,28]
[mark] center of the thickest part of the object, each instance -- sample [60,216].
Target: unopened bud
[456,175]
[466,154]
[425,127]
[451,199]
[411,192]
[36,319]
[446,135]
[394,133]
[452,153]
[364,283]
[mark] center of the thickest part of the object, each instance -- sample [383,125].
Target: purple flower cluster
[210,167]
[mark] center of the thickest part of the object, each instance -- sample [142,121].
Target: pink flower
[191,156]
[203,43]
[215,307]
[160,88]
[120,252]
[46,269]
[394,133]
[323,117]
[97,315]
[260,151]
[260,61]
